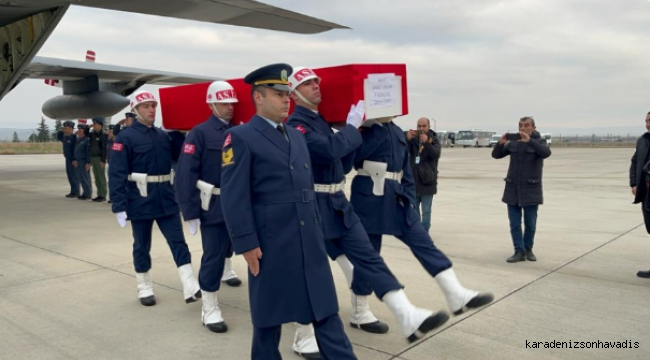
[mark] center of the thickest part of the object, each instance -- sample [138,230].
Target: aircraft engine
[83,106]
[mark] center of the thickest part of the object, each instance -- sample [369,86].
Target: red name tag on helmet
[118,147]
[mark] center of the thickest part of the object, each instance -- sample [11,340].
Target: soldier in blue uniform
[267,193]
[198,188]
[81,162]
[68,139]
[383,195]
[332,155]
[141,191]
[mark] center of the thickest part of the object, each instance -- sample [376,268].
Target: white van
[494,139]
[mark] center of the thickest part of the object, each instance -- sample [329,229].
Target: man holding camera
[424,152]
[523,190]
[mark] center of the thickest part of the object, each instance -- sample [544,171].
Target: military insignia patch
[228,141]
[283,75]
[302,129]
[227,157]
[189,149]
[118,147]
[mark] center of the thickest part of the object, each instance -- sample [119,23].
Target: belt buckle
[305,195]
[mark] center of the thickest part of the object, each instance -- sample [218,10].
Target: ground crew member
[81,163]
[267,189]
[332,155]
[67,137]
[140,190]
[198,188]
[98,153]
[383,195]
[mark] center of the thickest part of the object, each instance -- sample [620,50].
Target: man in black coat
[523,190]
[639,179]
[424,152]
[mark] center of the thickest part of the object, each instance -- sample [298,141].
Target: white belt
[378,174]
[155,178]
[329,188]
[141,181]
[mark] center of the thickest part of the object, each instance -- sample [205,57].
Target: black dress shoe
[432,322]
[376,327]
[148,301]
[518,256]
[221,327]
[643,274]
[234,282]
[476,302]
[530,256]
[99,199]
[71,195]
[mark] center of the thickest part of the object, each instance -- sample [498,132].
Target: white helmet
[221,92]
[300,75]
[142,96]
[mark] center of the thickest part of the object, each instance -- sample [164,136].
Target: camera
[513,136]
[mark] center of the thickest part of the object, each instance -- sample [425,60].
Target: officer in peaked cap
[68,138]
[267,187]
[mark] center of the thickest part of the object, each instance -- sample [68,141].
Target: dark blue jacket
[200,159]
[379,214]
[268,201]
[82,150]
[140,149]
[68,144]
[332,155]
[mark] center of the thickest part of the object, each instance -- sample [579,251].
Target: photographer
[424,152]
[523,190]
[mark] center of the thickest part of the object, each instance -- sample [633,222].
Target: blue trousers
[370,271]
[216,248]
[420,243]
[523,241]
[83,178]
[425,202]
[72,177]
[172,230]
[332,341]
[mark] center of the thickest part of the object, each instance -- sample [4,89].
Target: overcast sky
[470,63]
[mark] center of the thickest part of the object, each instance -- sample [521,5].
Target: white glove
[356,114]
[194,225]
[121,218]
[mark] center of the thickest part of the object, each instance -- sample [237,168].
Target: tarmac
[68,288]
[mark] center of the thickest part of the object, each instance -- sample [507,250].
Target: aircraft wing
[70,70]
[247,13]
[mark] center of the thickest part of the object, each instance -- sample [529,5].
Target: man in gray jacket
[523,190]
[639,179]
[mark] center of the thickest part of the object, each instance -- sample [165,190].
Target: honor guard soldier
[267,192]
[198,188]
[97,140]
[332,154]
[81,162]
[141,192]
[67,137]
[383,195]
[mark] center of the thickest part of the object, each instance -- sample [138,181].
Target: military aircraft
[91,89]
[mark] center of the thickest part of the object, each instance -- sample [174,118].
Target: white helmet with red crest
[221,92]
[140,97]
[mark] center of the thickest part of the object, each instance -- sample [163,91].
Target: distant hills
[23,134]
